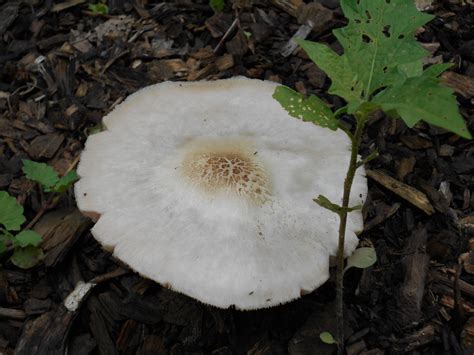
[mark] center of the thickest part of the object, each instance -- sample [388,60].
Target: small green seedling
[47,177]
[100,8]
[381,69]
[217,5]
[25,244]
[361,258]
[327,338]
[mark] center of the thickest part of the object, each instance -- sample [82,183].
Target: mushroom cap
[208,187]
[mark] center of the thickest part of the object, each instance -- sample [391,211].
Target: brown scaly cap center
[226,167]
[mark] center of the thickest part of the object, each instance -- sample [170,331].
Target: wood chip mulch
[62,68]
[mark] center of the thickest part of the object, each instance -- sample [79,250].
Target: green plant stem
[361,120]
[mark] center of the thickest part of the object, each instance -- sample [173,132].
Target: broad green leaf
[11,212]
[409,70]
[311,109]
[2,246]
[380,37]
[423,98]
[28,257]
[327,338]
[325,203]
[382,58]
[377,40]
[41,173]
[361,258]
[27,238]
[344,79]
[66,181]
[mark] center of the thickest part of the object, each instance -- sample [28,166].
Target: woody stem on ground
[50,204]
[361,118]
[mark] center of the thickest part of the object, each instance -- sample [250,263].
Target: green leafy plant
[50,182]
[25,244]
[100,8]
[217,5]
[47,177]
[381,68]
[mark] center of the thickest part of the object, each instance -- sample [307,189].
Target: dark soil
[63,67]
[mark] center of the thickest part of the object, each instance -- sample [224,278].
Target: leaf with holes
[382,64]
[311,109]
[377,40]
[344,79]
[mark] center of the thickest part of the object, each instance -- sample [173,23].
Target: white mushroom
[208,188]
